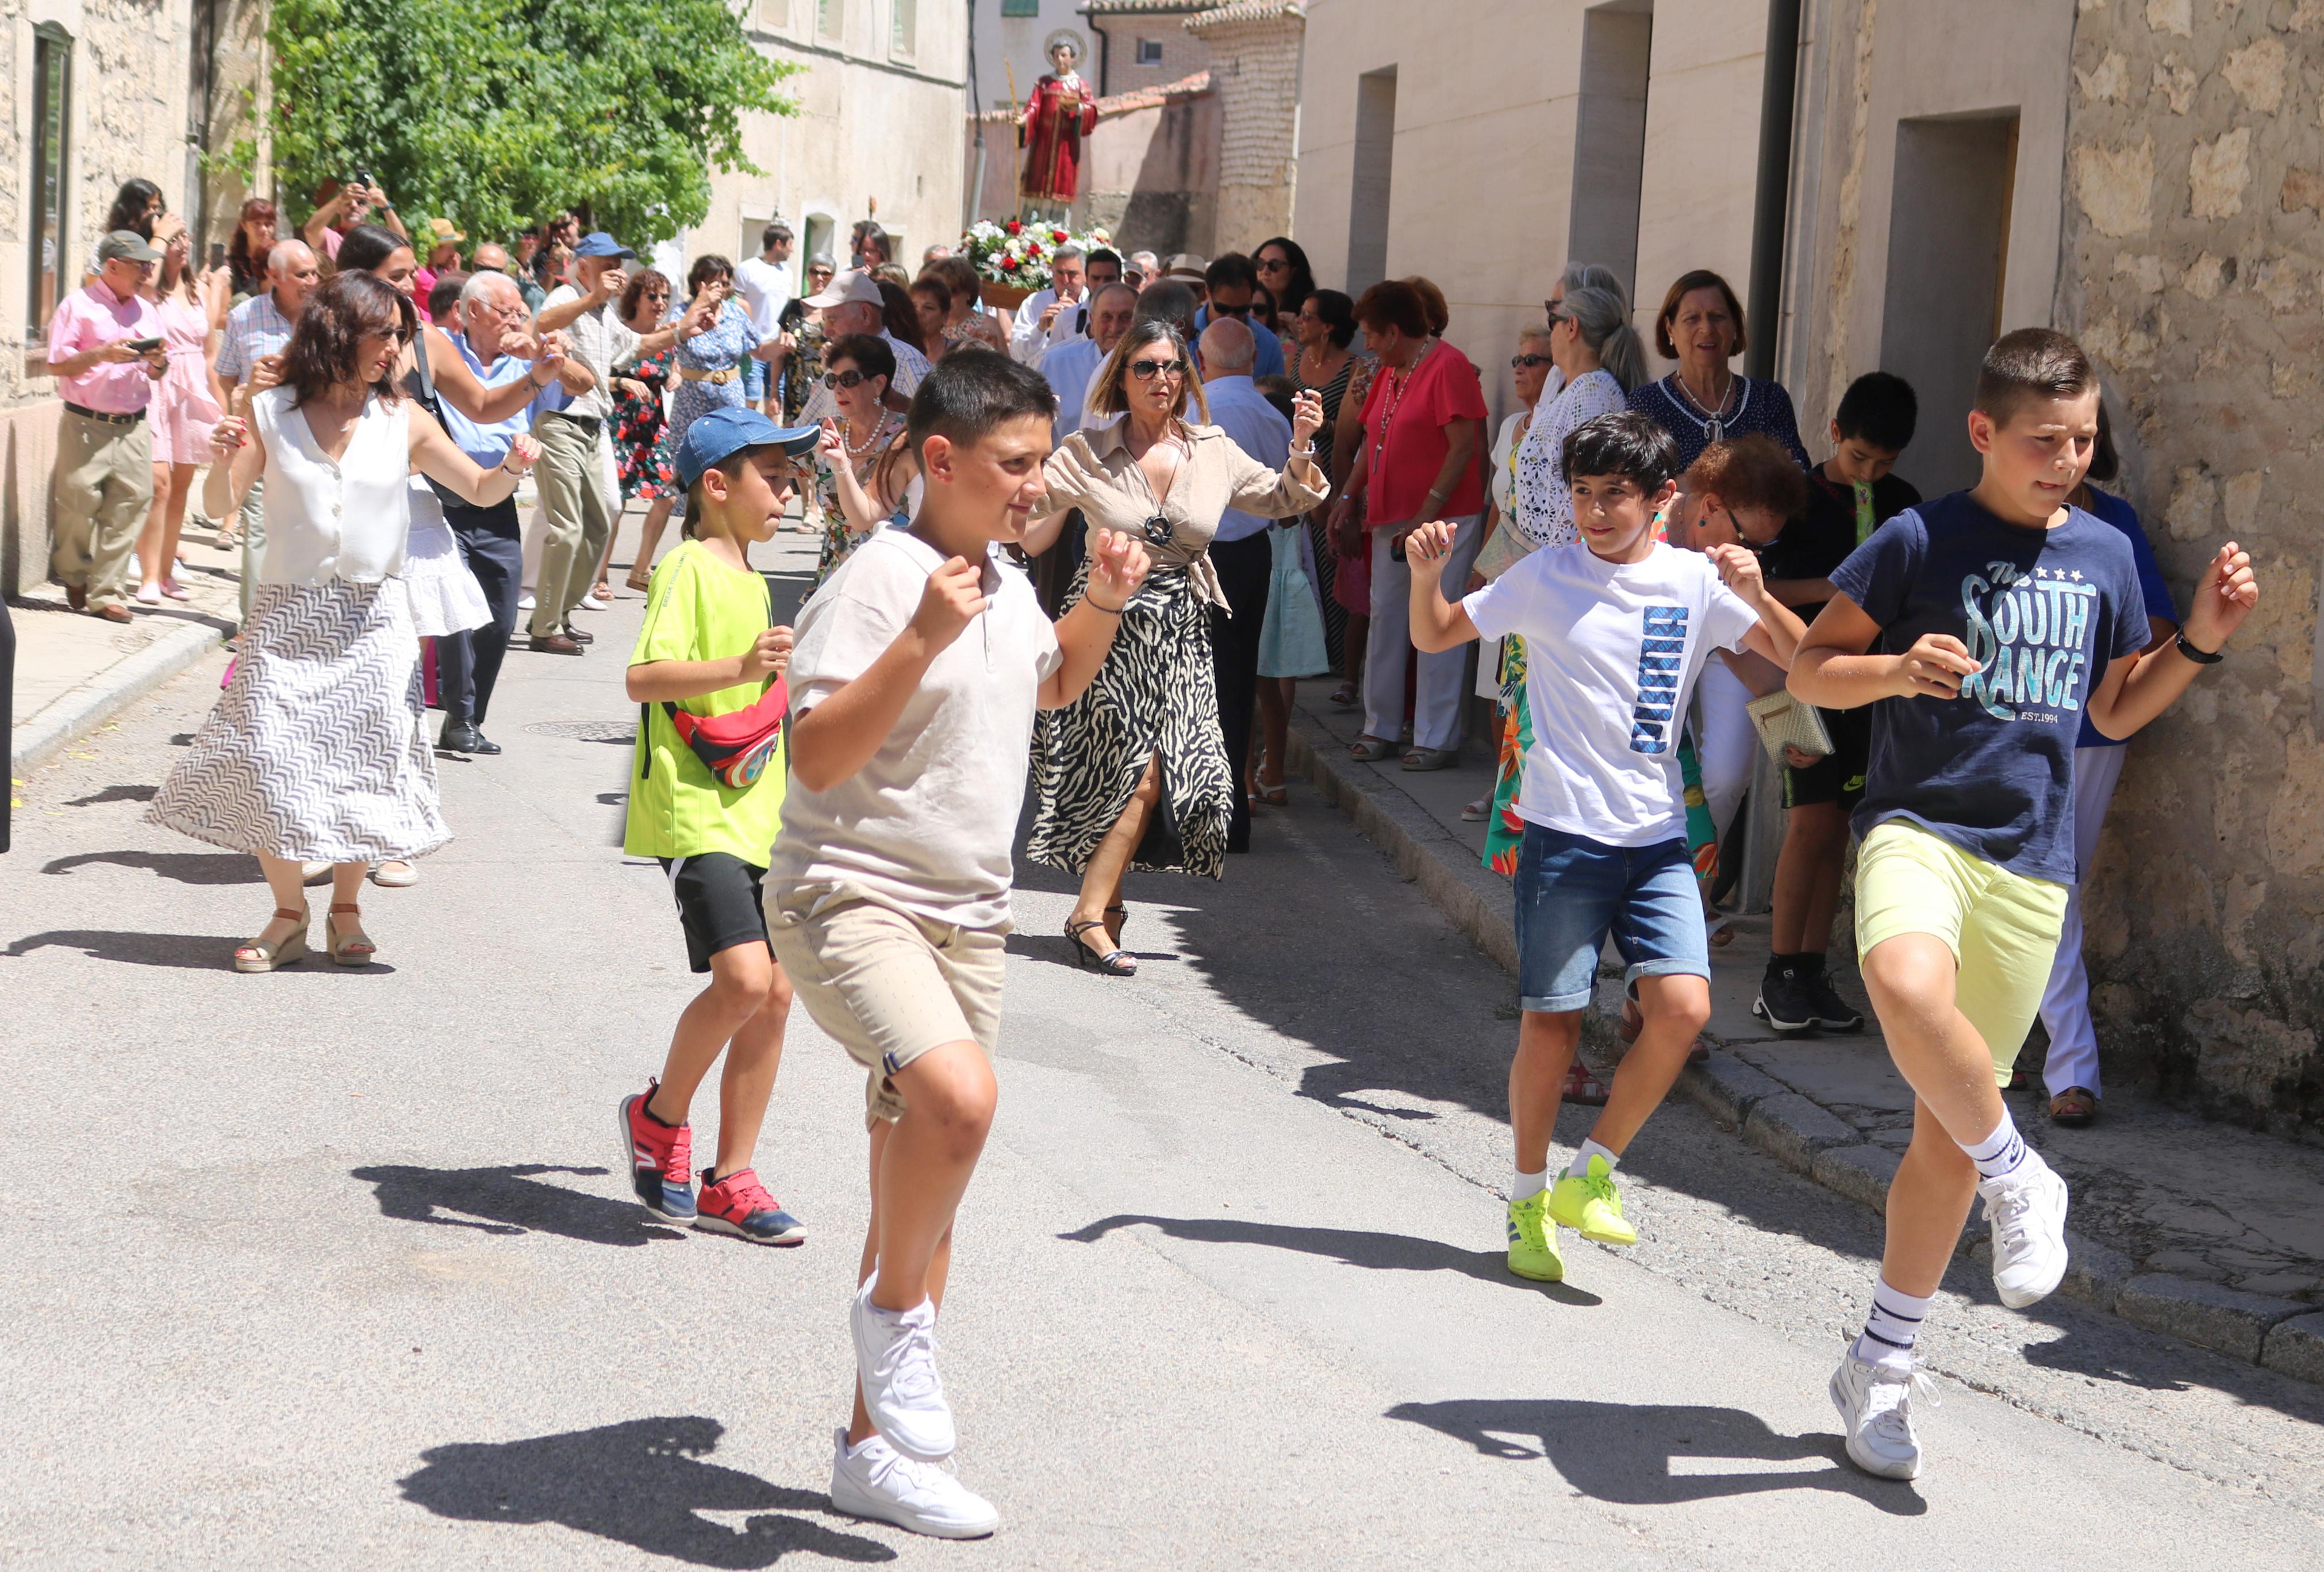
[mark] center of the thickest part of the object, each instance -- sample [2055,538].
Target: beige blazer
[1092,471]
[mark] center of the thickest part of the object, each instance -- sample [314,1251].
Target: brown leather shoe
[554,644]
[579,637]
[113,613]
[77,596]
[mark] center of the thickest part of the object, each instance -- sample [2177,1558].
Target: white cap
[853,285]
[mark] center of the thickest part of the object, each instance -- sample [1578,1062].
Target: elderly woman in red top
[1423,421]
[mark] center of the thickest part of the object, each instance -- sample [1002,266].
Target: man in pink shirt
[105,347]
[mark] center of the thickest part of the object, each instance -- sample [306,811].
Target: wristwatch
[2196,656]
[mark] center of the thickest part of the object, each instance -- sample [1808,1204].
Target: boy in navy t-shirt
[1981,627]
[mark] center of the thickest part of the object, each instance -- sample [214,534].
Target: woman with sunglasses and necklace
[1135,771]
[869,477]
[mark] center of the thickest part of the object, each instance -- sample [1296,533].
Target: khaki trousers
[103,488]
[578,513]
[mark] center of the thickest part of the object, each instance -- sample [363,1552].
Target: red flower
[1013,227]
[1059,236]
[1008,264]
[1032,248]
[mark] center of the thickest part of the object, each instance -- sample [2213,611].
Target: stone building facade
[2146,174]
[1142,44]
[1255,51]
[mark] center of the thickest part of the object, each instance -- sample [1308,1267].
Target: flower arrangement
[1016,254]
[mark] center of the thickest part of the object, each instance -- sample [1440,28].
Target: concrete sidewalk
[2204,1231]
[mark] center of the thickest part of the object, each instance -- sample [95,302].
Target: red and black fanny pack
[736,747]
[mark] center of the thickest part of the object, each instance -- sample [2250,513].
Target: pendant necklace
[1712,421]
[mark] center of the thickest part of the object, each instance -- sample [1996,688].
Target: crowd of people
[1162,491]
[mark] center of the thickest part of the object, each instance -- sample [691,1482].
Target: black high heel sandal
[1113,930]
[1114,963]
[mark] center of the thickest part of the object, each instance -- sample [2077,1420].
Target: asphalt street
[334,1268]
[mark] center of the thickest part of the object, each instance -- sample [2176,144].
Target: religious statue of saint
[1060,112]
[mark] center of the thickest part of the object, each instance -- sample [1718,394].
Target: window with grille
[1150,52]
[52,120]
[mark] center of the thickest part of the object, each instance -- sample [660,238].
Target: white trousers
[1724,742]
[2066,1003]
[1438,707]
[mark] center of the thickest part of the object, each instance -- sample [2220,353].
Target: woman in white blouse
[318,751]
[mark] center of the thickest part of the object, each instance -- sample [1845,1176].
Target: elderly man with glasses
[104,349]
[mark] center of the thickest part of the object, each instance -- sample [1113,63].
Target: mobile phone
[143,344]
[217,253]
[1395,550]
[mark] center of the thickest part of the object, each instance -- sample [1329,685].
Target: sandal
[1583,1086]
[1276,796]
[1116,918]
[1345,695]
[1477,812]
[265,954]
[1114,963]
[353,947]
[1371,750]
[639,582]
[1432,758]
[1720,931]
[2074,1108]
[395,875]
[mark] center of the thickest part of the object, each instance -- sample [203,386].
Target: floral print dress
[642,450]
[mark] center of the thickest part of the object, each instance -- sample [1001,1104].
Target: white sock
[2000,1154]
[1579,1169]
[1893,1327]
[1526,1186]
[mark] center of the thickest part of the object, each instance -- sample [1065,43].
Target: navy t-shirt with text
[2043,611]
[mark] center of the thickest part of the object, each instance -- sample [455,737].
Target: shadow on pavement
[115,794]
[511,1200]
[202,952]
[1656,1454]
[640,1483]
[185,867]
[1349,1246]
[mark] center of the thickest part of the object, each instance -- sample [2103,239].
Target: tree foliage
[496,114]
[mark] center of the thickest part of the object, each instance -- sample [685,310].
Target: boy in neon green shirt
[710,647]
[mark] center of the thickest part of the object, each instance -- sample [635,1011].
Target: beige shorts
[887,986]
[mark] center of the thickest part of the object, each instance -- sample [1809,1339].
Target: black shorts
[718,904]
[1839,776]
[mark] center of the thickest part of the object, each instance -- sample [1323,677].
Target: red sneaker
[660,1158]
[740,1205]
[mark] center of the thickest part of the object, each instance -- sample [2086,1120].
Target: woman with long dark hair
[319,749]
[1135,771]
[899,316]
[137,206]
[255,230]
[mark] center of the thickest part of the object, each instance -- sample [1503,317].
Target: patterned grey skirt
[318,751]
[1156,698]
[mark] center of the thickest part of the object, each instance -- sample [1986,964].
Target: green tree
[496,114]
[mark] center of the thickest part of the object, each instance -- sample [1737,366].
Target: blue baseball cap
[718,436]
[600,244]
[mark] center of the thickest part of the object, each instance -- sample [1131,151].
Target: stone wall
[1255,45]
[2193,246]
[1149,172]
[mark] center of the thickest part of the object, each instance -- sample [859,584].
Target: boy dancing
[919,668]
[709,647]
[1616,628]
[1980,627]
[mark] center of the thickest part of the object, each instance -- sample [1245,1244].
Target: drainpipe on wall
[1770,205]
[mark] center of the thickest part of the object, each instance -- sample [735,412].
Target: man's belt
[588,424]
[724,374]
[130,419]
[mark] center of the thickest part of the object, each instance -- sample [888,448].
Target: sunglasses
[848,379]
[1147,370]
[1219,310]
[1275,264]
[1520,362]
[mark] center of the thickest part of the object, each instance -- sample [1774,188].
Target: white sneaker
[524,601]
[1876,1408]
[896,1359]
[591,602]
[2028,1212]
[876,1481]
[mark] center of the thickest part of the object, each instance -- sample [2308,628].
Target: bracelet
[2196,656]
[1307,452]
[1109,610]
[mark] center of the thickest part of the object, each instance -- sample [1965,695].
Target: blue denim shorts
[1572,891]
[754,379]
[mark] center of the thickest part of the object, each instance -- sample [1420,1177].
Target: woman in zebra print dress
[1135,773]
[317,751]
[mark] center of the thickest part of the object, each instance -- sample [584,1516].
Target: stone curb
[83,708]
[2286,1336]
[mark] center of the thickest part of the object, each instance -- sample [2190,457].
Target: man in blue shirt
[1230,282]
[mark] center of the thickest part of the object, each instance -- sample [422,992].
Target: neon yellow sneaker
[1533,1241]
[1588,1206]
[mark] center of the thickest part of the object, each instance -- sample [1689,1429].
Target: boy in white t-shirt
[1616,629]
[918,669]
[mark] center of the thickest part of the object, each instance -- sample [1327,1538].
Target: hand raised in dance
[1306,417]
[952,600]
[230,435]
[1739,570]
[1118,567]
[523,453]
[1933,667]
[2223,599]
[1426,546]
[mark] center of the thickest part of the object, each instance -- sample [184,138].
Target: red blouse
[1404,419]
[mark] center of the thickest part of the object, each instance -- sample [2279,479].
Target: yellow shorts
[885,985]
[2001,927]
